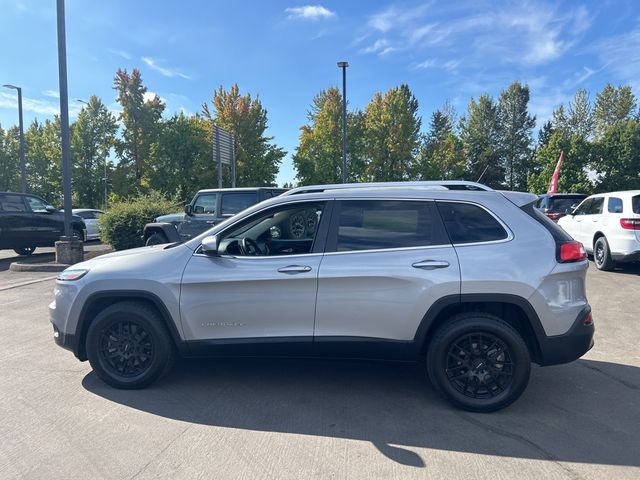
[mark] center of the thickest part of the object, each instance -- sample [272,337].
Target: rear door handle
[430,264]
[293,269]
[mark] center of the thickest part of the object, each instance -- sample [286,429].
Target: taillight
[571,252]
[630,223]
[554,215]
[588,320]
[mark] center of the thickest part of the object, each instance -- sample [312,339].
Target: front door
[264,282]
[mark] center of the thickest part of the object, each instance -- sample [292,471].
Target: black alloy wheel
[129,346]
[478,362]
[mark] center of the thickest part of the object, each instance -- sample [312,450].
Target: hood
[130,258]
[170,218]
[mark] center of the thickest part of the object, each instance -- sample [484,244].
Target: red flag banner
[553,184]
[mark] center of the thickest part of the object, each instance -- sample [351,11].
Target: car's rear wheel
[77,234]
[156,238]
[128,345]
[602,255]
[26,251]
[479,362]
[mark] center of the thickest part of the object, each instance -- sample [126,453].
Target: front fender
[168,229]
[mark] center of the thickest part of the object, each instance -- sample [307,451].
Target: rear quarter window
[468,223]
[635,204]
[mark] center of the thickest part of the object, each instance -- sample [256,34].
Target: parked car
[207,208]
[90,217]
[608,225]
[477,282]
[28,222]
[556,205]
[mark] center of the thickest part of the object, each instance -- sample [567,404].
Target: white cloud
[619,54]
[429,63]
[309,12]
[46,108]
[51,93]
[380,46]
[167,72]
[121,53]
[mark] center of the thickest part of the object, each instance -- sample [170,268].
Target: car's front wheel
[156,238]
[479,362]
[26,251]
[128,345]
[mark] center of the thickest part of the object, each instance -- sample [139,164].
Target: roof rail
[430,184]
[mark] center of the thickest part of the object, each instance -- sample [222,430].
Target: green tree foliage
[392,131]
[182,157]
[515,135]
[544,134]
[44,160]
[580,120]
[613,105]
[121,226]
[441,154]
[9,160]
[616,157]
[573,174]
[257,158]
[480,134]
[92,137]
[140,120]
[318,157]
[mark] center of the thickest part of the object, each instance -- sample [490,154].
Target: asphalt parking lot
[299,419]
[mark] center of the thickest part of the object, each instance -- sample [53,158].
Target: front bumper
[64,340]
[569,346]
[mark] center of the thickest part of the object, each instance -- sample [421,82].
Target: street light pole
[23,169]
[343,66]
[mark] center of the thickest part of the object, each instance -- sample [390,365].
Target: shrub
[121,226]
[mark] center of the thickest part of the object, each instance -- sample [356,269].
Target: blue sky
[286,52]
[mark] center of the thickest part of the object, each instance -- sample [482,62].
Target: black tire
[128,345]
[482,352]
[156,238]
[26,251]
[602,255]
[77,234]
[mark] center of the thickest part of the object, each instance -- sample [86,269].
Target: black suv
[27,222]
[208,208]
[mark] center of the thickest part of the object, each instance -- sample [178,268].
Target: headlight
[70,275]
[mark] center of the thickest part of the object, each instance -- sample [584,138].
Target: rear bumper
[569,346]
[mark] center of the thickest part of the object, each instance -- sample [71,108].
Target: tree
[392,128]
[441,155]
[544,134]
[44,160]
[613,105]
[182,157]
[559,119]
[617,157]
[257,158]
[515,128]
[573,175]
[479,133]
[580,120]
[140,120]
[92,137]
[318,157]
[9,160]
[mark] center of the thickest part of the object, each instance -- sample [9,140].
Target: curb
[37,267]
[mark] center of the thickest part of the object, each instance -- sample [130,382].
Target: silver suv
[475,282]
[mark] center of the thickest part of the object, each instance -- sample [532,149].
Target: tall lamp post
[105,162]
[23,169]
[343,66]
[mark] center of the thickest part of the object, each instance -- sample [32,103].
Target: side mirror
[188,210]
[50,209]
[210,245]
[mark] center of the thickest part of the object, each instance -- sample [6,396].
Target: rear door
[592,222]
[45,225]
[386,263]
[14,221]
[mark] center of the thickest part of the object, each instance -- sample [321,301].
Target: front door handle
[293,269]
[430,264]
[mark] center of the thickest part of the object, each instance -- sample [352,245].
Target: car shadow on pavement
[584,412]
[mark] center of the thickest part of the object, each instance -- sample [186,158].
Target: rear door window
[468,223]
[12,203]
[614,205]
[386,224]
[596,206]
[233,203]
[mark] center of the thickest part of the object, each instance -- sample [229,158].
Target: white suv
[608,225]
